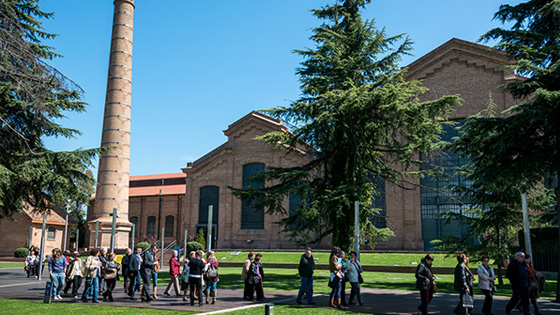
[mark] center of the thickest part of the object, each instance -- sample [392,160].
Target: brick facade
[472,71]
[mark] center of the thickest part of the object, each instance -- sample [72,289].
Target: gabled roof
[252,118]
[55,217]
[479,55]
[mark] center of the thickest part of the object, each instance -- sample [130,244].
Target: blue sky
[198,66]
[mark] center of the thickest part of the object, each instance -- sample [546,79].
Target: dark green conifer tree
[357,118]
[33,96]
[518,148]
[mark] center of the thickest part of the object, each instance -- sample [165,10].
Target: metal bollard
[269,309]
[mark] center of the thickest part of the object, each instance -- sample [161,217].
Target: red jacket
[173,266]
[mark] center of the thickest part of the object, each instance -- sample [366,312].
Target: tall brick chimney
[113,172]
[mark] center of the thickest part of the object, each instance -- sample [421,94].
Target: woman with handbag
[486,277]
[111,275]
[353,271]
[211,277]
[425,283]
[335,267]
[463,283]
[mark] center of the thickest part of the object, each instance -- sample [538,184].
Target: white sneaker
[55,298]
[59,297]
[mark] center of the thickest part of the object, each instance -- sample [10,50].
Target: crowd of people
[139,269]
[199,277]
[526,284]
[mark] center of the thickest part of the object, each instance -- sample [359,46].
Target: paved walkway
[14,285]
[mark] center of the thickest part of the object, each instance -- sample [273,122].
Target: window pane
[209,196]
[169,223]
[251,217]
[151,226]
[134,220]
[51,233]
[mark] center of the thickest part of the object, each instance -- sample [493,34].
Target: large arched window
[209,196]
[169,224]
[134,220]
[151,226]
[252,218]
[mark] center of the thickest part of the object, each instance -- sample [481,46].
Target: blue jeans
[57,280]
[337,286]
[306,284]
[92,287]
[211,285]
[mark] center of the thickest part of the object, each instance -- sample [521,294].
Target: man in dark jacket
[146,272]
[425,282]
[306,267]
[134,266]
[125,272]
[518,276]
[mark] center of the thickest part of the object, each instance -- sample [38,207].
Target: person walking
[146,273]
[343,281]
[306,268]
[75,274]
[125,271]
[353,271]
[92,271]
[534,284]
[464,285]
[134,266]
[211,277]
[111,276]
[30,262]
[174,274]
[425,282]
[257,275]
[335,267]
[518,276]
[244,276]
[155,275]
[57,271]
[103,261]
[197,268]
[486,277]
[185,276]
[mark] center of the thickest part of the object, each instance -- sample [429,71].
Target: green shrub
[201,238]
[143,245]
[21,252]
[194,246]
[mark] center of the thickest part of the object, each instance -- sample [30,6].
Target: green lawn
[25,307]
[382,259]
[12,265]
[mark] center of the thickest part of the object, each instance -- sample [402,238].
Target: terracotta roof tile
[154,190]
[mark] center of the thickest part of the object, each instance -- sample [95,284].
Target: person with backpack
[211,277]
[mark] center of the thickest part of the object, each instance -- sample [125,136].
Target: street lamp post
[66,224]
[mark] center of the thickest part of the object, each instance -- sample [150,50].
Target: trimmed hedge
[21,252]
[194,246]
[143,245]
